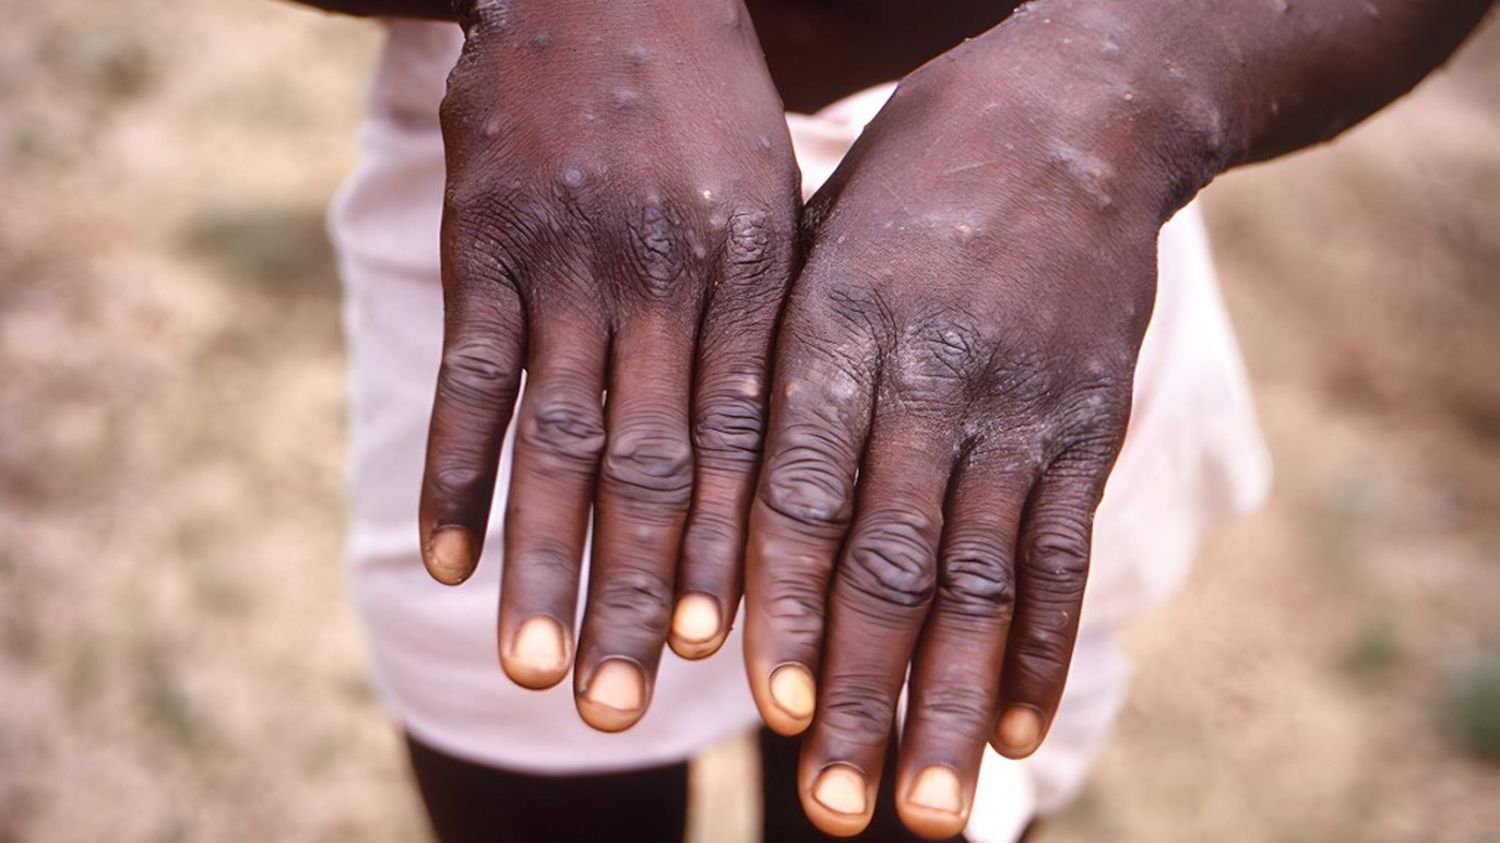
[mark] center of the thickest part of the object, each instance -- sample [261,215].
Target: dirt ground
[177,658]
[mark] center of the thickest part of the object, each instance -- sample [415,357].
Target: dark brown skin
[953,370]
[656,277]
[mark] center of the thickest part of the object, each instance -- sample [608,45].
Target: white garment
[1193,456]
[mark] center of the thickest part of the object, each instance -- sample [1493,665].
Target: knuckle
[857,708]
[1042,652]
[1058,554]
[457,482]
[650,461]
[956,707]
[483,203]
[891,558]
[977,578]
[825,375]
[542,559]
[939,353]
[711,538]
[795,605]
[757,254]
[730,424]
[658,247]
[1015,372]
[486,239]
[804,484]
[1088,453]
[1098,398]
[635,592]
[856,305]
[748,246]
[478,369]
[826,355]
[563,426]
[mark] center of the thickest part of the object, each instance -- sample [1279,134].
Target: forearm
[423,9]
[1210,85]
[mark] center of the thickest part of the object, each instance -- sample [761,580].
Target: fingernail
[937,789]
[1020,728]
[696,619]
[617,684]
[538,646]
[792,690]
[450,554]
[841,789]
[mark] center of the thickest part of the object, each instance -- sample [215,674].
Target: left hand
[952,386]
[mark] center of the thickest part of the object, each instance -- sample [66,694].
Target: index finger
[820,416]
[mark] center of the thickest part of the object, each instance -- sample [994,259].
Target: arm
[1217,85]
[426,9]
[955,363]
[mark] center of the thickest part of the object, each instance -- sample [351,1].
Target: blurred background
[177,658]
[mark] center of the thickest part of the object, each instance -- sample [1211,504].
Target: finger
[728,423]
[476,390]
[954,679]
[881,593]
[820,412]
[558,442]
[645,485]
[1051,571]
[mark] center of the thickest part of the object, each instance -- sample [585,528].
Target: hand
[620,215]
[952,385]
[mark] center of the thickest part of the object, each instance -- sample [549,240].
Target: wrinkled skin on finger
[630,234]
[952,386]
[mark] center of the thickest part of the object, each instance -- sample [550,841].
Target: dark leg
[472,803]
[784,821]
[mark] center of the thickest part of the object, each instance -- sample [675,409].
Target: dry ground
[177,661]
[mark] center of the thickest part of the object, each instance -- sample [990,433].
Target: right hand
[620,215]
[952,384]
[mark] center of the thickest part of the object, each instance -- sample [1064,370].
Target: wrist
[1092,90]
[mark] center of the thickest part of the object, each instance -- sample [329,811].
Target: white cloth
[1193,456]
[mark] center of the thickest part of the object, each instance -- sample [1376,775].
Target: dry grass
[176,656]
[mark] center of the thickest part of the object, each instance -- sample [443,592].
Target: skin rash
[907,477]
